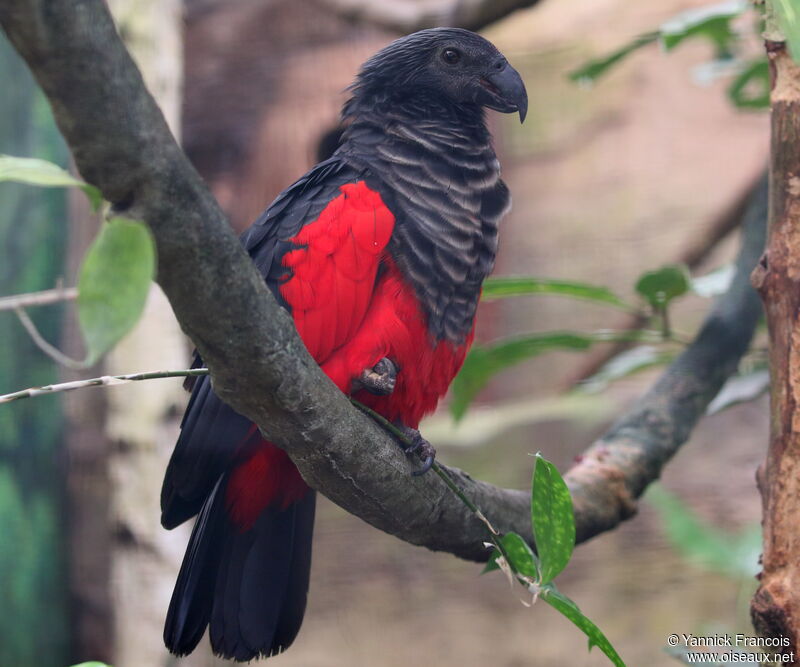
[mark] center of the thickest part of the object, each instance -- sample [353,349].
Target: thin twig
[114,380]
[50,350]
[42,298]
[105,380]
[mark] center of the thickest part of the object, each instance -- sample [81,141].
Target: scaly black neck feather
[435,167]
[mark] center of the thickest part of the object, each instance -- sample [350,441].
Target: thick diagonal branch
[259,366]
[619,466]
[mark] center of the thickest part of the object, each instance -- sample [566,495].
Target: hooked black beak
[506,91]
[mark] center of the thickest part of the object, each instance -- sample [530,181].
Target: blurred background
[637,170]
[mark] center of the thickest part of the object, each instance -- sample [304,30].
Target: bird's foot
[419,446]
[379,380]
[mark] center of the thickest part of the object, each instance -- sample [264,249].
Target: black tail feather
[250,587]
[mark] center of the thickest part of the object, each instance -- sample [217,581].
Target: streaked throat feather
[436,169]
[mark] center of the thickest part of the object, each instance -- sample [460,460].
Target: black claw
[414,446]
[425,467]
[421,447]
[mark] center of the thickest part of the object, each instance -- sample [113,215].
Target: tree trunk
[775,608]
[143,417]
[123,564]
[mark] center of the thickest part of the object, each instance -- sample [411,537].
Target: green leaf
[731,554]
[661,286]
[552,518]
[568,608]
[520,555]
[589,72]
[491,564]
[33,171]
[113,284]
[711,22]
[788,16]
[92,664]
[500,288]
[484,361]
[750,89]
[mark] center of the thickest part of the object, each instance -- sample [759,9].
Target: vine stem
[50,350]
[494,534]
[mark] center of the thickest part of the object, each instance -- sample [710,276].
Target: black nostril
[500,64]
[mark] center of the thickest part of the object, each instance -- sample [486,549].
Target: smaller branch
[617,469]
[693,255]
[104,381]
[407,17]
[43,298]
[50,350]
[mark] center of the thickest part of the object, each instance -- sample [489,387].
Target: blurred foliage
[661,286]
[658,289]
[485,361]
[788,14]
[588,73]
[712,23]
[553,527]
[750,88]
[734,555]
[501,288]
[34,630]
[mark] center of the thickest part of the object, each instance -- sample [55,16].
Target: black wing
[211,431]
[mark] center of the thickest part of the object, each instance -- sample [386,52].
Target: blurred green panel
[33,623]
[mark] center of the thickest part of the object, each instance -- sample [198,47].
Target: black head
[444,62]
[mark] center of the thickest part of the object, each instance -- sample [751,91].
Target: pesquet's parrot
[379,254]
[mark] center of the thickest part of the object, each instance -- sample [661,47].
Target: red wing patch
[266,478]
[334,270]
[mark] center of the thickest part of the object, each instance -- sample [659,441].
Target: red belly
[393,327]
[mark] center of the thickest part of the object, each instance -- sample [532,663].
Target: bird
[379,254]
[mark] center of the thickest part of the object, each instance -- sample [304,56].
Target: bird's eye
[451,56]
